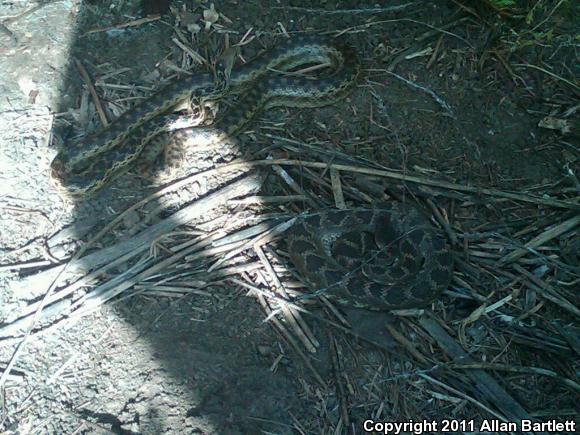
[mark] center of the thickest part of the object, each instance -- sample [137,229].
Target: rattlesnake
[382,258]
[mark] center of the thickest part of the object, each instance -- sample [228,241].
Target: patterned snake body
[83,168]
[385,258]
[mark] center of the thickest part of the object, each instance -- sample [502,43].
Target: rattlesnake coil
[384,258]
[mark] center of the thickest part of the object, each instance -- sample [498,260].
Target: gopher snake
[86,167]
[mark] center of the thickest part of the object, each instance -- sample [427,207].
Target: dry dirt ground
[447,92]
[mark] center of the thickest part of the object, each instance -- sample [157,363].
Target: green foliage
[503,3]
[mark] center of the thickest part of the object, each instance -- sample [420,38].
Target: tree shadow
[203,364]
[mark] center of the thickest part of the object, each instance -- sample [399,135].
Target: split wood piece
[128,249]
[483,383]
[541,239]
[293,317]
[422,180]
[289,339]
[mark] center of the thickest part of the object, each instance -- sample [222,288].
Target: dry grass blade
[541,239]
[287,336]
[337,189]
[488,386]
[424,180]
[122,252]
[575,386]
[547,291]
[293,317]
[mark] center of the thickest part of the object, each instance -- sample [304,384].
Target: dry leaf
[210,16]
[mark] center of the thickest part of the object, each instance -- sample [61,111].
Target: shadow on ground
[207,362]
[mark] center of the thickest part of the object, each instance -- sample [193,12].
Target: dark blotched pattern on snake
[388,257]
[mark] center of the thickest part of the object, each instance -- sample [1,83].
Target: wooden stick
[486,384]
[337,189]
[541,239]
[96,101]
[421,180]
[547,291]
[130,248]
[293,317]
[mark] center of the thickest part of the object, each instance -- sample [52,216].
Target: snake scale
[263,83]
[384,258]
